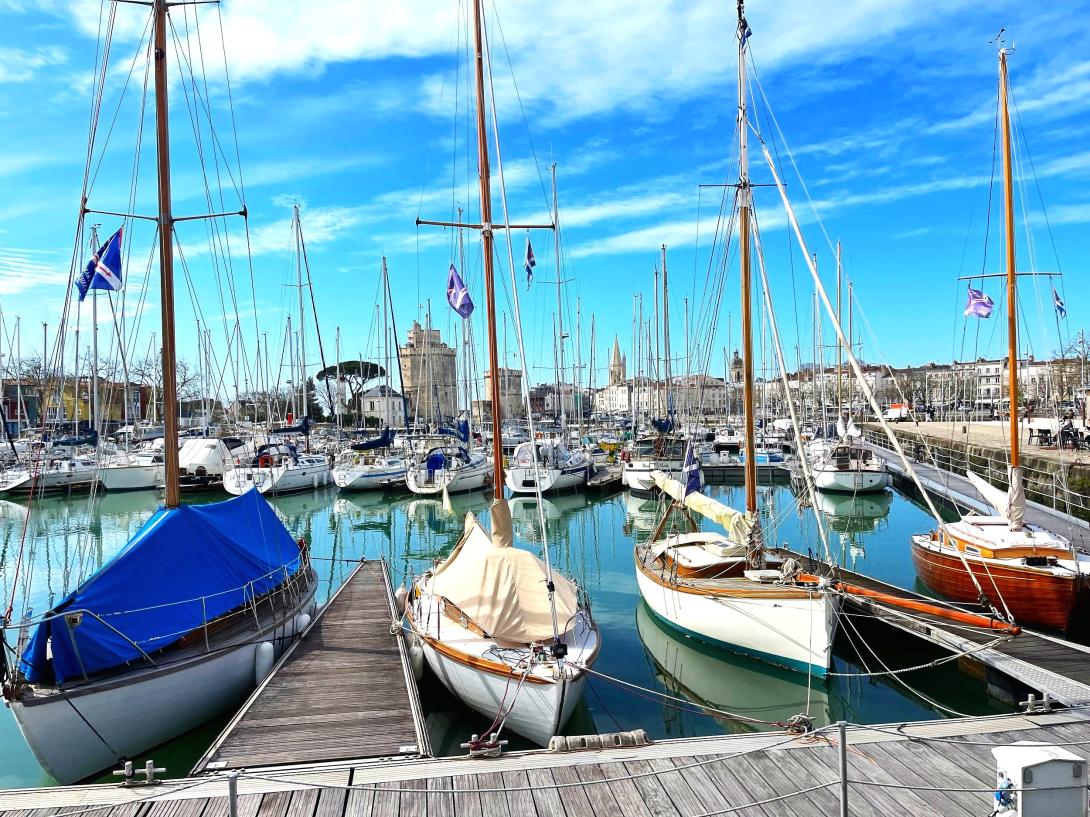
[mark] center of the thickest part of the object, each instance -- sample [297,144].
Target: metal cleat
[484,748]
[129,775]
[1031,704]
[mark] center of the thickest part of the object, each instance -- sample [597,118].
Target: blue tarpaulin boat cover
[151,593]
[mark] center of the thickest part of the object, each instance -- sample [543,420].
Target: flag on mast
[103,271]
[530,262]
[1058,302]
[458,294]
[979,304]
[691,471]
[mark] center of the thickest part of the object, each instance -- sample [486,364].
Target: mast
[486,249]
[666,332]
[1012,276]
[94,344]
[559,313]
[166,258]
[303,407]
[839,348]
[745,201]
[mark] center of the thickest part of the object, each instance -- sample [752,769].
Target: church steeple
[616,364]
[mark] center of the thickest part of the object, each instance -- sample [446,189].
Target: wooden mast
[486,247]
[1012,276]
[745,201]
[166,257]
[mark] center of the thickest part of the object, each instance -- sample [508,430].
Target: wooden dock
[606,479]
[1044,663]
[734,474]
[938,767]
[344,691]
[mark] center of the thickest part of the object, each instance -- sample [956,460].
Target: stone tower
[616,364]
[736,368]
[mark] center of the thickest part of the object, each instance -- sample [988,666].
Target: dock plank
[341,693]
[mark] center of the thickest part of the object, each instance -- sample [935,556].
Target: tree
[356,375]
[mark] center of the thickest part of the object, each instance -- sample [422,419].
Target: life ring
[264,461]
[538,435]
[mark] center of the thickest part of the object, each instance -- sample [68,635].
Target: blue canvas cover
[384,440]
[179,556]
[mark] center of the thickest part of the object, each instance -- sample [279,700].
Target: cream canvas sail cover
[739,525]
[1010,504]
[499,587]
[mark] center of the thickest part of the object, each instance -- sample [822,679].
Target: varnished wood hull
[1033,596]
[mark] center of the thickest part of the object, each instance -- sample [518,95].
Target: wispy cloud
[17,65]
[23,269]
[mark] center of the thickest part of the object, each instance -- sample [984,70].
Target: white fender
[401,598]
[416,658]
[301,622]
[263,661]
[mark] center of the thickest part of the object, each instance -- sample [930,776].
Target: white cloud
[17,65]
[23,269]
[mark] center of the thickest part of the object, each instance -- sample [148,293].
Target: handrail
[1063,498]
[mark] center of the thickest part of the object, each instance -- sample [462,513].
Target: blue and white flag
[530,262]
[458,294]
[691,472]
[1058,302]
[103,271]
[979,304]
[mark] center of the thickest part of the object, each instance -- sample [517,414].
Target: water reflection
[687,668]
[590,539]
[853,516]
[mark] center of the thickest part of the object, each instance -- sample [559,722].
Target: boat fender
[263,661]
[264,461]
[401,598]
[302,621]
[416,658]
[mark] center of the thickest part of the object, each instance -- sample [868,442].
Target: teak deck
[344,691]
[899,769]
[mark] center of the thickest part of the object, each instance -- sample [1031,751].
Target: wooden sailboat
[501,630]
[1021,569]
[185,619]
[725,589]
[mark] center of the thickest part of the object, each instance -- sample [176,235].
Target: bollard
[232,794]
[842,730]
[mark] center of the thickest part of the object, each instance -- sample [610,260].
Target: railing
[1048,487]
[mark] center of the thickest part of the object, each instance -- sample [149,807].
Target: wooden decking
[344,691]
[1042,662]
[895,769]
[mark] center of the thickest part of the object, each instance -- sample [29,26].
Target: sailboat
[726,589]
[185,619]
[502,631]
[846,465]
[368,465]
[1032,574]
[278,467]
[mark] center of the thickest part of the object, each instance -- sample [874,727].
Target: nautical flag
[458,295]
[1058,302]
[979,304]
[691,471]
[530,262]
[103,271]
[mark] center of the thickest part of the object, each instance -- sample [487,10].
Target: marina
[396,504]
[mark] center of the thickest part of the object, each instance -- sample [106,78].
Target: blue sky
[357,111]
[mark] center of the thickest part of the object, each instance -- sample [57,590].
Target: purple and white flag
[979,304]
[458,294]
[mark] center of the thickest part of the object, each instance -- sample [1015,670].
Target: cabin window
[971,549]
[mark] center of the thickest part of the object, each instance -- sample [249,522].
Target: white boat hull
[133,715]
[132,477]
[22,482]
[852,481]
[525,480]
[795,633]
[365,479]
[637,478]
[455,480]
[277,479]
[540,710]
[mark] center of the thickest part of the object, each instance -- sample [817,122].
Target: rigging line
[211,225]
[518,96]
[242,186]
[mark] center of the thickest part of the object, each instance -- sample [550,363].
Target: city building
[383,406]
[511,405]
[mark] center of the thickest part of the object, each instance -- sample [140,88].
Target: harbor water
[591,539]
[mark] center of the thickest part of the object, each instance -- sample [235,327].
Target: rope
[929,665]
[791,724]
